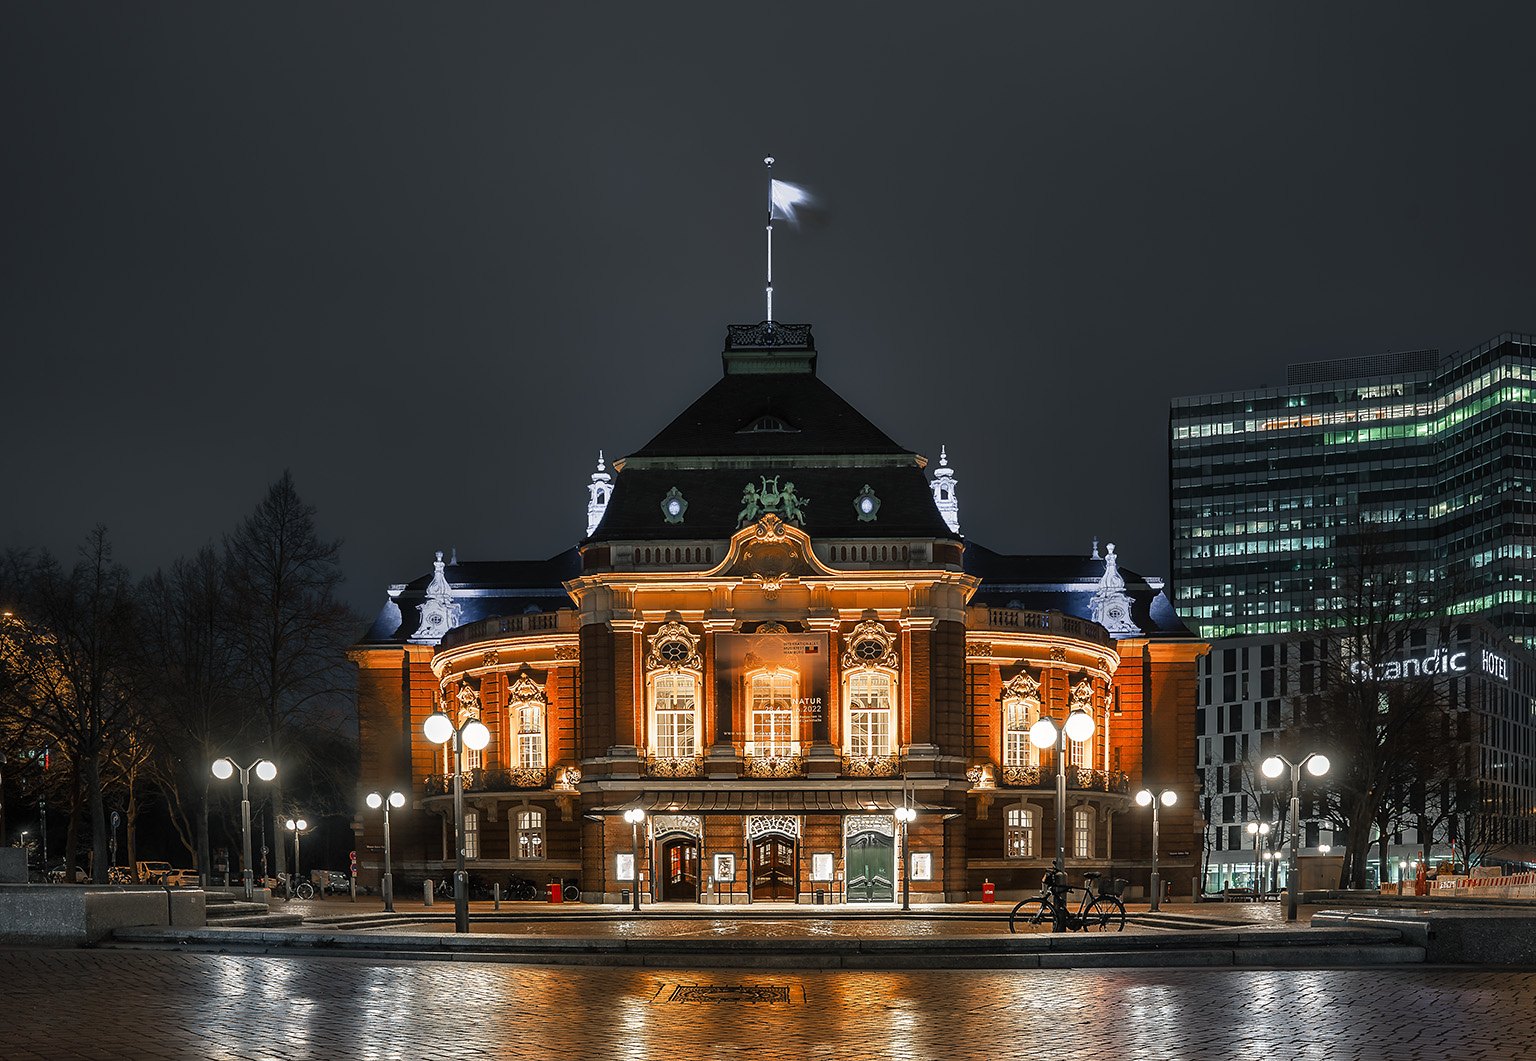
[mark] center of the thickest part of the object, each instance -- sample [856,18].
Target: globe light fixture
[1044,734]
[298,827]
[387,885]
[224,769]
[1316,764]
[472,733]
[1168,797]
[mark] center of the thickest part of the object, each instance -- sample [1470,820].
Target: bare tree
[198,710]
[293,632]
[71,655]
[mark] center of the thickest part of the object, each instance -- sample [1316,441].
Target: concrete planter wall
[75,915]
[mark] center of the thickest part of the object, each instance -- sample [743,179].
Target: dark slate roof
[483,590]
[1065,584]
[822,421]
[714,499]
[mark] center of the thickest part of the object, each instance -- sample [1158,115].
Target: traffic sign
[115,820]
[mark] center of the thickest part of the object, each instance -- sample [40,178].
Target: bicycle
[297,889]
[1099,911]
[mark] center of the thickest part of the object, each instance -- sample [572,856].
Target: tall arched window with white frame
[530,834]
[674,676]
[1021,709]
[869,713]
[772,695]
[528,710]
[1020,832]
[871,670]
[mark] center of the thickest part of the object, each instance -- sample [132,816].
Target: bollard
[354,889]
[426,892]
[496,894]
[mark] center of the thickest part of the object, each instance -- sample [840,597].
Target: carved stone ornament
[567,651]
[491,658]
[866,505]
[674,647]
[781,501]
[771,556]
[978,648]
[468,698]
[438,612]
[1058,653]
[766,825]
[526,691]
[1023,686]
[673,506]
[1110,606]
[870,645]
[1082,696]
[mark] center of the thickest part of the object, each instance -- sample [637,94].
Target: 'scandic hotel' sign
[1443,661]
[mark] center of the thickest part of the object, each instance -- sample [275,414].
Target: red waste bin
[988,892]
[554,892]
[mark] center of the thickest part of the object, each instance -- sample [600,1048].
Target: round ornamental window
[869,650]
[674,651]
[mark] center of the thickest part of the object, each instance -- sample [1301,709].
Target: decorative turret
[599,491]
[944,496]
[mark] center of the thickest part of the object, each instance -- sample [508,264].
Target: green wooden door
[871,868]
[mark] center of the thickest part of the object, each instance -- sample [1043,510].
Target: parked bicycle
[1099,911]
[296,888]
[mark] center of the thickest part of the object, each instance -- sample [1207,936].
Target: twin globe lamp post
[1168,797]
[266,770]
[298,827]
[1044,734]
[1317,765]
[473,734]
[396,800]
[1260,833]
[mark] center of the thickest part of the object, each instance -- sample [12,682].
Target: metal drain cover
[739,994]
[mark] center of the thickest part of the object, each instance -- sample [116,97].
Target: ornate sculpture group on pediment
[1111,605]
[771,499]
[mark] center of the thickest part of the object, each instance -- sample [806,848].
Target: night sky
[432,257]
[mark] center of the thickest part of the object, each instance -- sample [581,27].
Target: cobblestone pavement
[150,1006]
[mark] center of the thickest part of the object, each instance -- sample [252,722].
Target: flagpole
[769,163]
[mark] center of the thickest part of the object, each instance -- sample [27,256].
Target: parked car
[334,880]
[152,872]
[182,878]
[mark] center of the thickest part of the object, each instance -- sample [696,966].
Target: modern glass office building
[1431,457]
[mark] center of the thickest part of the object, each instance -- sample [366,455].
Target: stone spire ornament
[1111,605]
[598,491]
[439,612]
[944,496]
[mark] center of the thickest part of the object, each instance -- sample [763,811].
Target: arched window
[675,674]
[1082,832]
[869,713]
[1019,832]
[528,708]
[530,834]
[773,715]
[1021,709]
[674,698]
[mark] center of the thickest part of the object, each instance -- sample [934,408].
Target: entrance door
[773,868]
[680,863]
[871,868]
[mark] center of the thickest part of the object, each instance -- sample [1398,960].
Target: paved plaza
[148,1006]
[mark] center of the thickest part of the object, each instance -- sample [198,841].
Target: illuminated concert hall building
[772,637]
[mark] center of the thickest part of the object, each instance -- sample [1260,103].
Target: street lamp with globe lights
[905,815]
[1168,797]
[266,770]
[396,800]
[298,827]
[1045,733]
[1317,765]
[634,816]
[473,734]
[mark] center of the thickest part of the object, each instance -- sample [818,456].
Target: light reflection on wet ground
[740,928]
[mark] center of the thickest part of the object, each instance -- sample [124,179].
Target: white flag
[792,203]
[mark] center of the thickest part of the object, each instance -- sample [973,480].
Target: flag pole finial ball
[768,161]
